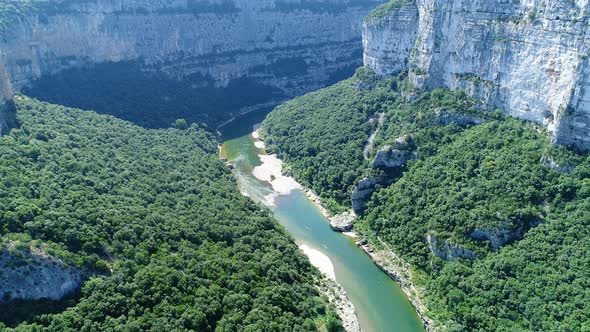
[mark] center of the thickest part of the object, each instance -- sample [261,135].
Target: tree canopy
[478,172]
[183,249]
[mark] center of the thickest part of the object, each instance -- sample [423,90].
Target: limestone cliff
[31,274]
[295,45]
[529,58]
[447,250]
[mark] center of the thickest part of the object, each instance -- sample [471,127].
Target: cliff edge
[528,58]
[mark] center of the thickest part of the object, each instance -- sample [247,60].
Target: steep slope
[340,115]
[160,215]
[492,218]
[528,58]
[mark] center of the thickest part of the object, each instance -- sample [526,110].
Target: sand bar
[319,260]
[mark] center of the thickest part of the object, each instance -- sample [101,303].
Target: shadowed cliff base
[155,100]
[20,312]
[7,117]
[150,100]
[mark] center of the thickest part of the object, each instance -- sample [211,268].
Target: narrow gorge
[294,165]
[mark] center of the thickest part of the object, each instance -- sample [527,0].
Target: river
[379,302]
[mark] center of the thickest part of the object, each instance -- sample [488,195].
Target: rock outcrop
[362,192]
[549,162]
[504,233]
[528,58]
[443,118]
[390,159]
[295,45]
[342,222]
[447,250]
[394,157]
[30,274]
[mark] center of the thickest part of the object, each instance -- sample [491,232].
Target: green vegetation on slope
[386,8]
[321,136]
[186,250]
[477,173]
[488,178]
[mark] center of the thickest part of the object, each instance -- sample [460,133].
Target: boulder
[343,222]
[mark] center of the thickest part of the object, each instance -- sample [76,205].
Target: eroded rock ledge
[28,273]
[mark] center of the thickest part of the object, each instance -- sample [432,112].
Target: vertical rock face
[446,250]
[389,40]
[394,157]
[30,274]
[529,58]
[362,192]
[306,41]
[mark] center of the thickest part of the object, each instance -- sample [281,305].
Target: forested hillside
[158,218]
[321,135]
[492,217]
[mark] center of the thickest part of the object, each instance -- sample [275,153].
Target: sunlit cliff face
[529,59]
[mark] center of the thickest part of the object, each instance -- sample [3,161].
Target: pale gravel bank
[331,289]
[271,171]
[320,260]
[344,308]
[394,266]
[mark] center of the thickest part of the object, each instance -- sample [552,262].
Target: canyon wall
[529,58]
[295,45]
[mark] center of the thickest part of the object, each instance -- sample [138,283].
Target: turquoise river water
[379,302]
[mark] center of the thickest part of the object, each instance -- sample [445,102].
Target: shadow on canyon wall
[155,100]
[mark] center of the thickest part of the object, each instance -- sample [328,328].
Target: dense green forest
[477,172]
[321,135]
[159,219]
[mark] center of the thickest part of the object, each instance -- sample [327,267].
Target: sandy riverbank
[319,260]
[386,260]
[271,171]
[332,289]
